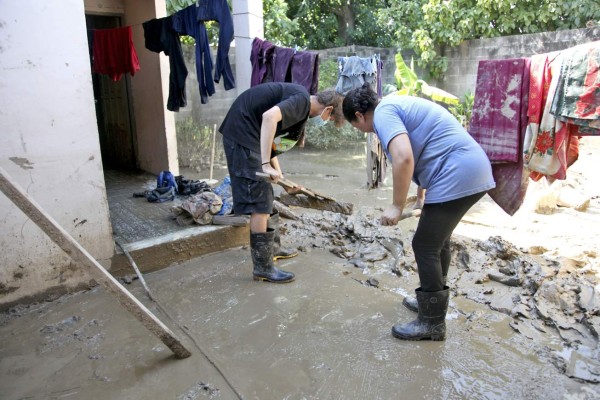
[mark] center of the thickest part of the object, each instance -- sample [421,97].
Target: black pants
[431,243]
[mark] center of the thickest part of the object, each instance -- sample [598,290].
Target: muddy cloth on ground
[186,187]
[198,208]
[114,53]
[159,35]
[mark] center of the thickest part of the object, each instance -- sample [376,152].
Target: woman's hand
[391,215]
[420,199]
[419,204]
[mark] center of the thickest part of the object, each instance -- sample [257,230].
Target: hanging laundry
[512,179]
[354,71]
[499,123]
[114,53]
[546,143]
[379,68]
[185,22]
[160,36]
[282,61]
[577,98]
[305,70]
[495,122]
[272,63]
[261,58]
[218,10]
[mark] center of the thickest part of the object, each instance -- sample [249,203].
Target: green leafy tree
[279,28]
[429,26]
[334,23]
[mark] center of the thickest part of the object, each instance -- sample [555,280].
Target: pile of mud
[544,296]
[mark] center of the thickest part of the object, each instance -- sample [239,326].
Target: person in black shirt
[263,122]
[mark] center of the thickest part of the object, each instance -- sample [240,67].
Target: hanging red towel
[114,53]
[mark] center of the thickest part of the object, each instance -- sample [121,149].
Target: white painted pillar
[247,24]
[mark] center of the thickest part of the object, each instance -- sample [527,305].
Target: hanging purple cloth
[305,70]
[282,60]
[511,178]
[261,57]
[495,122]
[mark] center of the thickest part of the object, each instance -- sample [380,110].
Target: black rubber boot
[261,248]
[278,251]
[431,321]
[411,302]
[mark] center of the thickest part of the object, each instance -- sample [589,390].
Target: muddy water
[327,334]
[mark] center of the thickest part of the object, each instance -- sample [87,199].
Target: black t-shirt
[242,122]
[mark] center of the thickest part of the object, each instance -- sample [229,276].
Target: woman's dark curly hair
[362,99]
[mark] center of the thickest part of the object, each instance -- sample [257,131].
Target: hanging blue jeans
[159,35]
[218,10]
[185,22]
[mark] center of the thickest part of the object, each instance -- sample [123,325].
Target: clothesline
[529,113]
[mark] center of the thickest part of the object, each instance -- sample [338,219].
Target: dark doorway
[113,107]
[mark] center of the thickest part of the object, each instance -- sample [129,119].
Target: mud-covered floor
[523,321]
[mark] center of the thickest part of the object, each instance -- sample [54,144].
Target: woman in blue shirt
[427,145]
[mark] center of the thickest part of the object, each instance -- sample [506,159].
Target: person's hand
[293,190]
[391,215]
[275,175]
[419,204]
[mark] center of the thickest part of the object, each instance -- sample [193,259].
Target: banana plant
[409,84]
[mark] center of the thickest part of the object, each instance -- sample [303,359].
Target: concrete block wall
[463,60]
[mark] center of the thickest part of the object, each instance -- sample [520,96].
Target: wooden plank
[62,238]
[231,220]
[287,184]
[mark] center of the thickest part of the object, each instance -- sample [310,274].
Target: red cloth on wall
[114,53]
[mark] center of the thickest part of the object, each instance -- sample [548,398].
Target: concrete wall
[49,145]
[154,124]
[463,60]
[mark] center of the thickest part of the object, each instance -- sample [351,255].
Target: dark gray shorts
[251,194]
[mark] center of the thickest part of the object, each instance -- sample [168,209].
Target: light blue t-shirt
[449,163]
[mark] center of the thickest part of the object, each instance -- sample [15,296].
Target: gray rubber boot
[411,302]
[431,321]
[261,248]
[278,251]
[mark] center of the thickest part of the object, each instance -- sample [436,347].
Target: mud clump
[542,295]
